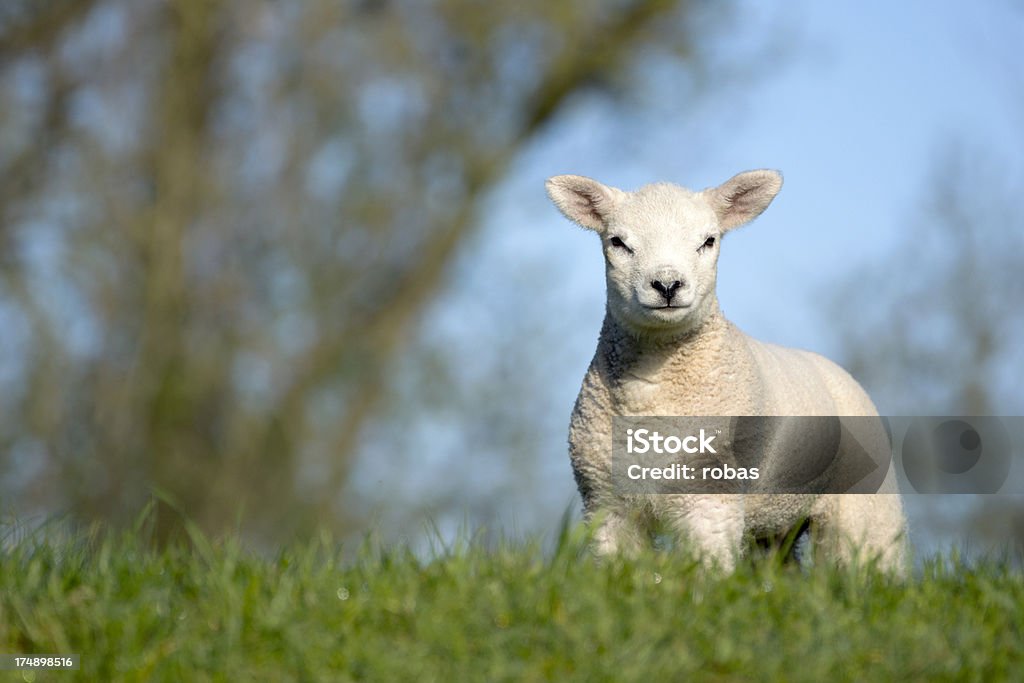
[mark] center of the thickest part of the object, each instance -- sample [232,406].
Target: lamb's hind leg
[863,528]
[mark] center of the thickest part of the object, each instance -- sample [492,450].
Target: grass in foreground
[217,612]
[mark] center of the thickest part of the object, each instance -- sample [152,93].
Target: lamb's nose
[667,289]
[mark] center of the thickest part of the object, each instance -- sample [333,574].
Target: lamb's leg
[616,531]
[863,528]
[711,524]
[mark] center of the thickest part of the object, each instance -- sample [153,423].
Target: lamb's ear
[582,200]
[743,197]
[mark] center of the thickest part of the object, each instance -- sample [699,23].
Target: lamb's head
[661,242]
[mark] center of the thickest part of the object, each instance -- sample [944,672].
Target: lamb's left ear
[582,200]
[743,197]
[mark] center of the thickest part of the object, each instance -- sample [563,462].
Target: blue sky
[853,112]
[852,116]
[852,103]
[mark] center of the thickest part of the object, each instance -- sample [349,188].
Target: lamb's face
[661,256]
[661,242]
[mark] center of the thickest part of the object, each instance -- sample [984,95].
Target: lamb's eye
[708,243]
[617,242]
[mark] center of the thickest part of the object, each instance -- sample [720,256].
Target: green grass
[217,612]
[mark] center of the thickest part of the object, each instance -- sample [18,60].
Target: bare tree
[221,222]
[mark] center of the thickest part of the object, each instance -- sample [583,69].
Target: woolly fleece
[666,349]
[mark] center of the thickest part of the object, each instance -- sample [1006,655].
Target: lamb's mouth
[668,307]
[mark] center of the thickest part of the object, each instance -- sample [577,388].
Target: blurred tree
[940,311]
[221,222]
[939,323]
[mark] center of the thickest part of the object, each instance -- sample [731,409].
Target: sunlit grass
[213,611]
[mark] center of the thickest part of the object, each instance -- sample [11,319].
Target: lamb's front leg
[615,530]
[711,524]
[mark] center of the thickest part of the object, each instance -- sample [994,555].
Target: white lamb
[666,349]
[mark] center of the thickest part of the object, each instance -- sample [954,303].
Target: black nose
[668,290]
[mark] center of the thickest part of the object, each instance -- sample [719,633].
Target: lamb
[665,349]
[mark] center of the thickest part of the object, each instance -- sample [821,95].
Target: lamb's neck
[648,376]
[622,344]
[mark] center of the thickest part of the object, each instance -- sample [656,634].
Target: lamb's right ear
[584,201]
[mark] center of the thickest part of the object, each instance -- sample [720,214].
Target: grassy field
[217,612]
